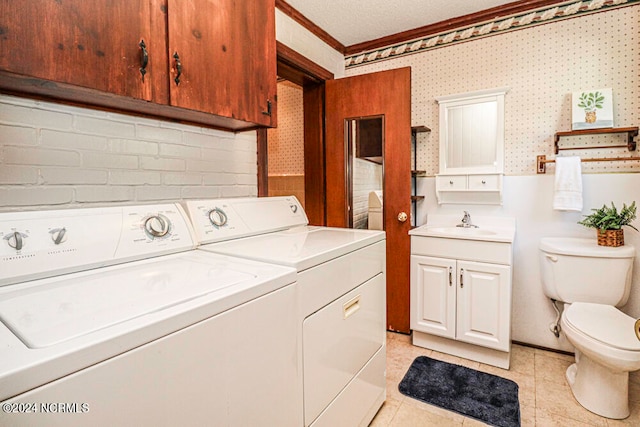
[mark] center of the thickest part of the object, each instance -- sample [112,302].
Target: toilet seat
[603,323]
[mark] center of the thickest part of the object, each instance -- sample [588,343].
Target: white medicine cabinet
[471,147]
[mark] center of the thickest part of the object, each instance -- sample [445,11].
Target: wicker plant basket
[610,237]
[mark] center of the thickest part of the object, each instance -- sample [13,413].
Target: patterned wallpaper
[286,142]
[542,65]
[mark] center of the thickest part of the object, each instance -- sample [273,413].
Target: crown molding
[530,13]
[448,25]
[293,13]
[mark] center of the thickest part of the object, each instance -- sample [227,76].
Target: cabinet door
[223,54]
[484,304]
[433,295]
[93,44]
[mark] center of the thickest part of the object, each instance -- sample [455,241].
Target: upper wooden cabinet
[121,54]
[94,44]
[224,53]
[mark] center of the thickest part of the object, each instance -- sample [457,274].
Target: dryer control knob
[157,226]
[59,235]
[217,217]
[15,240]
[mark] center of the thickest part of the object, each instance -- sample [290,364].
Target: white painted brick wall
[53,155]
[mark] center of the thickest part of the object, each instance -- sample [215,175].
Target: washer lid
[67,307]
[584,247]
[604,323]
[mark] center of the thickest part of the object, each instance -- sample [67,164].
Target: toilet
[375,210]
[592,281]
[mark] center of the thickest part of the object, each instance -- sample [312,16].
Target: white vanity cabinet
[461,297]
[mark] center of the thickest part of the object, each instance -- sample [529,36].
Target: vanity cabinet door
[484,304]
[433,293]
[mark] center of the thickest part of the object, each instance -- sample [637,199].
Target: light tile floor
[545,397]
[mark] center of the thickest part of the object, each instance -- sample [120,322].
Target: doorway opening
[285,144]
[299,70]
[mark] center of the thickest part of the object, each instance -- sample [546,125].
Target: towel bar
[542,161]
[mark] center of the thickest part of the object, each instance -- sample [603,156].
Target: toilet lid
[604,323]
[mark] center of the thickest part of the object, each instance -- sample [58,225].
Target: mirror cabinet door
[472,132]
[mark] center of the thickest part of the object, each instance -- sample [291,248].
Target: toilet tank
[578,270]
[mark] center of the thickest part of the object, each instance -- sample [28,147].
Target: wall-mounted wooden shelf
[631,132]
[415,130]
[419,129]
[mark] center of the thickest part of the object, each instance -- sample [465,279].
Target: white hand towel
[568,184]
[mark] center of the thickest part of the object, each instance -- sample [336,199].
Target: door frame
[300,70]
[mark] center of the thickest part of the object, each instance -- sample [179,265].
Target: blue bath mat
[485,397]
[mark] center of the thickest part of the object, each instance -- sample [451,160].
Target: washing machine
[108,316]
[340,292]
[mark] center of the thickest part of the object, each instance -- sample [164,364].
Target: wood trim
[292,13]
[314,154]
[263,162]
[311,76]
[303,64]
[439,27]
[64,93]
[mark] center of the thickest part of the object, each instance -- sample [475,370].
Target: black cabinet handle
[268,112]
[178,68]
[144,58]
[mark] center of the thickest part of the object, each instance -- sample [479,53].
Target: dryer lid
[604,323]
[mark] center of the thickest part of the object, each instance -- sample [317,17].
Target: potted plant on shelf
[608,222]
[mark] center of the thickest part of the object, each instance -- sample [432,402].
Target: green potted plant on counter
[609,221]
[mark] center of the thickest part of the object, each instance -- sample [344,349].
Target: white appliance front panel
[366,392]
[82,318]
[223,219]
[207,374]
[299,247]
[40,244]
[339,340]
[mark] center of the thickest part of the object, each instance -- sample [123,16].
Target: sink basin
[461,231]
[490,229]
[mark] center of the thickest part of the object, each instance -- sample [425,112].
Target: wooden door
[387,94]
[223,54]
[92,44]
[433,295]
[484,304]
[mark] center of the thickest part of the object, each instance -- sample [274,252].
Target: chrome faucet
[466,221]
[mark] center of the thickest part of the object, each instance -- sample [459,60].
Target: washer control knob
[15,240]
[157,226]
[59,235]
[217,217]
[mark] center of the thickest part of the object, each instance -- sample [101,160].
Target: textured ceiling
[355,21]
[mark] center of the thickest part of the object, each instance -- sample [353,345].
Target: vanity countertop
[490,229]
